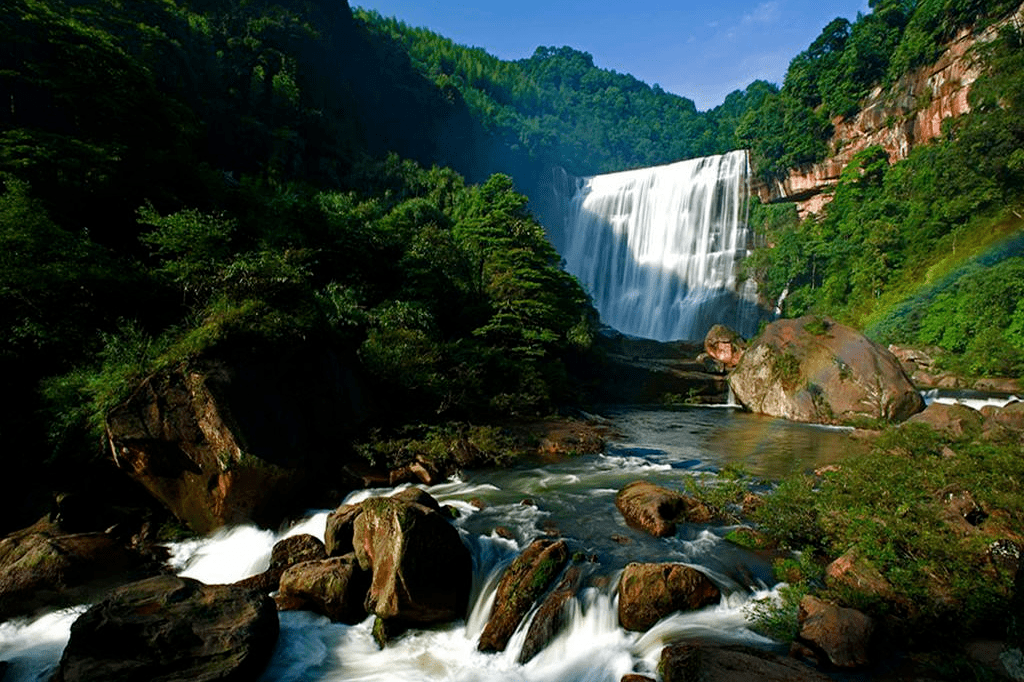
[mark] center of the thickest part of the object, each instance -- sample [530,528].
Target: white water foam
[975,400]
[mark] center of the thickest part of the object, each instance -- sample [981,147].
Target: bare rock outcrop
[174,630]
[649,592]
[229,443]
[813,369]
[908,113]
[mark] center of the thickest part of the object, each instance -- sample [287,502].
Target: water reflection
[711,438]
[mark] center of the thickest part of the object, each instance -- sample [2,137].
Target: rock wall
[236,442]
[898,118]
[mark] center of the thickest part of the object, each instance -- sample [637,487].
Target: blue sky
[702,51]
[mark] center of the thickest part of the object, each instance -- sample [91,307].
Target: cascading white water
[574,497]
[658,248]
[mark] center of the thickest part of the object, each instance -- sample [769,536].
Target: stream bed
[500,512]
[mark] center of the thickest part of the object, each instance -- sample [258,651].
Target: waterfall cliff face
[658,248]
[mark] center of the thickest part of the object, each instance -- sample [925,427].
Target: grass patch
[895,506]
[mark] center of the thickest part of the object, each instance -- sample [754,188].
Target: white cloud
[764,13]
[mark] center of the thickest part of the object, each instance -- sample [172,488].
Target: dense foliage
[929,525]
[915,251]
[558,107]
[187,180]
[843,64]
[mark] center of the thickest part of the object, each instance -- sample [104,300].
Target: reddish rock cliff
[908,113]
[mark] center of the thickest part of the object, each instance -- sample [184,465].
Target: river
[500,512]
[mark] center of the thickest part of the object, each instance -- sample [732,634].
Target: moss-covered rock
[422,573]
[814,369]
[525,580]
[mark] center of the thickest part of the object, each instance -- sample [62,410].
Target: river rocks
[335,587]
[724,345]
[656,510]
[649,592]
[523,582]
[286,553]
[833,635]
[340,527]
[236,442]
[815,370]
[956,421]
[690,661]
[858,575]
[173,630]
[43,567]
[422,573]
[550,617]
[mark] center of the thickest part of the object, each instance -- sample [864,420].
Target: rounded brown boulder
[689,661]
[334,587]
[724,345]
[174,630]
[649,592]
[42,567]
[833,635]
[813,369]
[656,510]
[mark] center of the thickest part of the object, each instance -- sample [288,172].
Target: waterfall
[658,248]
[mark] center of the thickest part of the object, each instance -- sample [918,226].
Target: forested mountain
[187,179]
[558,108]
[886,254]
[926,250]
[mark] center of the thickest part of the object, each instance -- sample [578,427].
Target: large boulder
[229,443]
[285,554]
[813,369]
[649,592]
[525,580]
[422,573]
[724,345]
[42,567]
[833,635]
[1010,416]
[955,421]
[656,510]
[689,661]
[335,587]
[174,630]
